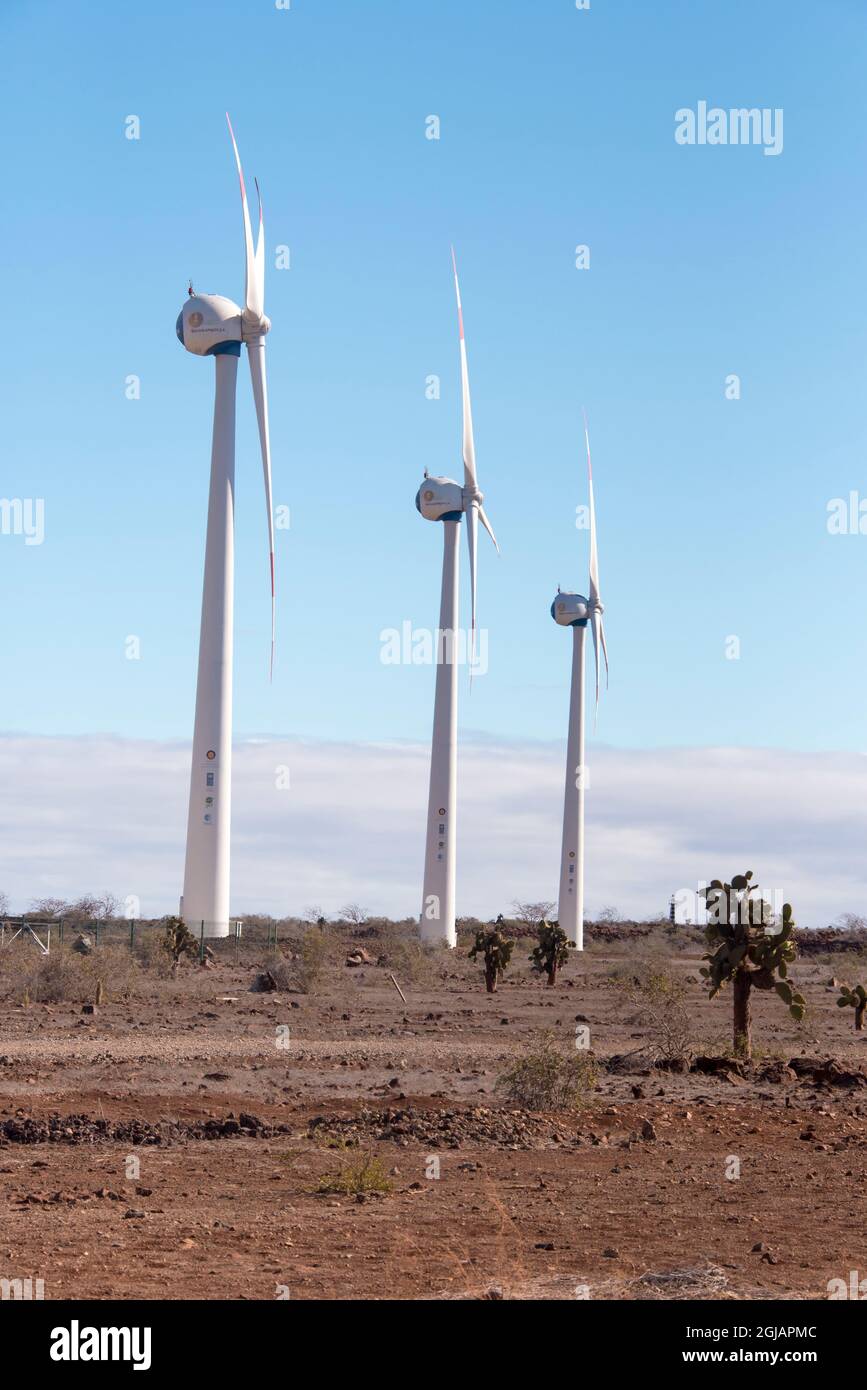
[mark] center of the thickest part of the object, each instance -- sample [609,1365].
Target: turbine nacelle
[208,324]
[570,610]
[440,499]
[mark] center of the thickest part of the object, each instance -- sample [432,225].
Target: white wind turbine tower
[575,611]
[442,499]
[211,326]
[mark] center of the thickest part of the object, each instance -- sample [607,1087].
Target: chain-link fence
[250,937]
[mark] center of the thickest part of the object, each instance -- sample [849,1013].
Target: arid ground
[192,1138]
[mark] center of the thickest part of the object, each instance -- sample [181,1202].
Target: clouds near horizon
[92,813]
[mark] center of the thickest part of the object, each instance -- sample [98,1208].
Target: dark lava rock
[826,1072]
[83,1129]
[264,983]
[505,1129]
[718,1066]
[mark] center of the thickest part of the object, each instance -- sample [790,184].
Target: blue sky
[557,128]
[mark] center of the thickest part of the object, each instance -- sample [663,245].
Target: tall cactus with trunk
[177,941]
[496,951]
[746,948]
[854,998]
[552,952]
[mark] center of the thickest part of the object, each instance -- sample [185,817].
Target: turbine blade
[254,293]
[595,602]
[260,250]
[487,525]
[594,558]
[596,628]
[469,448]
[256,354]
[473,542]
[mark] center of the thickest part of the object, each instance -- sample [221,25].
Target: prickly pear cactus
[747,949]
[178,941]
[552,952]
[854,998]
[496,951]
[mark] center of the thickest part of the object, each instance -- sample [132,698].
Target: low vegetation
[651,968]
[66,976]
[359,1174]
[661,1011]
[312,959]
[548,1077]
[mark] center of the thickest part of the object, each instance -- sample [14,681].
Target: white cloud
[86,814]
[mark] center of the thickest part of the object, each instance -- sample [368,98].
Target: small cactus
[747,952]
[854,998]
[496,950]
[552,951]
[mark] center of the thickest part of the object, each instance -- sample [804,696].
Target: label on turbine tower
[210,755]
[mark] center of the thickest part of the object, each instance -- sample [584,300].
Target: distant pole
[202,942]
[61,931]
[132,934]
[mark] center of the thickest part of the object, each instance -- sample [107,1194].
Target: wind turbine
[442,499]
[575,611]
[211,326]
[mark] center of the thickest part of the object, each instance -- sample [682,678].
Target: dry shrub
[282,970]
[359,1173]
[411,961]
[65,977]
[301,971]
[636,970]
[151,954]
[661,1011]
[545,1077]
[313,958]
